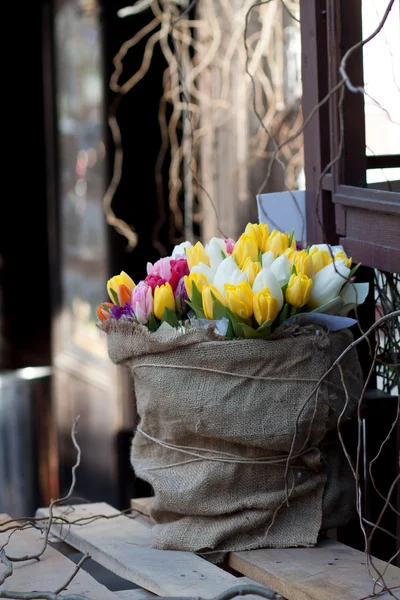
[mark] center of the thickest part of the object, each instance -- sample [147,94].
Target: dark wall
[136,199]
[24,273]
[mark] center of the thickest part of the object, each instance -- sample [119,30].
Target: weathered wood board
[123,546]
[331,571]
[50,572]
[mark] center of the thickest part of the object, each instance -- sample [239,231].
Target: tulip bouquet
[247,288]
[229,345]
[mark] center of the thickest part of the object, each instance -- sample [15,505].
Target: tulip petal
[354,293]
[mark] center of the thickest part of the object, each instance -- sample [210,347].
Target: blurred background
[110,162]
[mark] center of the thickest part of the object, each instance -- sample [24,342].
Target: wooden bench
[122,545]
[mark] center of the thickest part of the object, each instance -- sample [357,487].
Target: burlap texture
[253,407]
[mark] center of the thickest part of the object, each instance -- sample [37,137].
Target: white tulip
[228,272]
[327,283]
[281,269]
[214,250]
[206,270]
[353,294]
[267,259]
[179,251]
[266,279]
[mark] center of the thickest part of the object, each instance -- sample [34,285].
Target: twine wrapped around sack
[218,419]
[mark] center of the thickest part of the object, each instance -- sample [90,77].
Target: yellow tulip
[246,247]
[240,299]
[278,242]
[251,269]
[197,254]
[320,259]
[163,298]
[299,290]
[304,263]
[266,307]
[291,255]
[199,279]
[116,282]
[341,256]
[260,233]
[208,293]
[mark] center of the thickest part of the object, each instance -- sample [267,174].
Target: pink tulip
[161,268]
[142,302]
[179,268]
[229,245]
[154,280]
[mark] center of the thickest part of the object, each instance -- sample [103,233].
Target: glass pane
[382,78]
[80,129]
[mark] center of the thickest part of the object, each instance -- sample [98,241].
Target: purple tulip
[123,312]
[181,297]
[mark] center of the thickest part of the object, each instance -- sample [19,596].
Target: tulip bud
[251,269]
[114,284]
[342,256]
[142,302]
[180,298]
[327,284]
[320,259]
[278,242]
[240,299]
[304,263]
[228,272]
[163,298]
[298,290]
[281,269]
[104,311]
[197,254]
[291,255]
[216,252]
[208,293]
[246,247]
[265,307]
[198,279]
[180,250]
[267,259]
[260,233]
[205,270]
[267,280]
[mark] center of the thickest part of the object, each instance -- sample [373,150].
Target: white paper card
[280,211]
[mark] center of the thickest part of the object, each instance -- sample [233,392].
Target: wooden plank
[327,572]
[123,546]
[138,594]
[50,572]
[141,594]
[142,506]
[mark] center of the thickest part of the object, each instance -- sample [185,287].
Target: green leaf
[291,236]
[284,314]
[265,327]
[114,296]
[260,256]
[197,299]
[223,255]
[249,332]
[354,270]
[294,271]
[169,316]
[219,310]
[284,288]
[153,323]
[198,310]
[331,307]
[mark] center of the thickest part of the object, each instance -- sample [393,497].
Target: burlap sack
[218,420]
